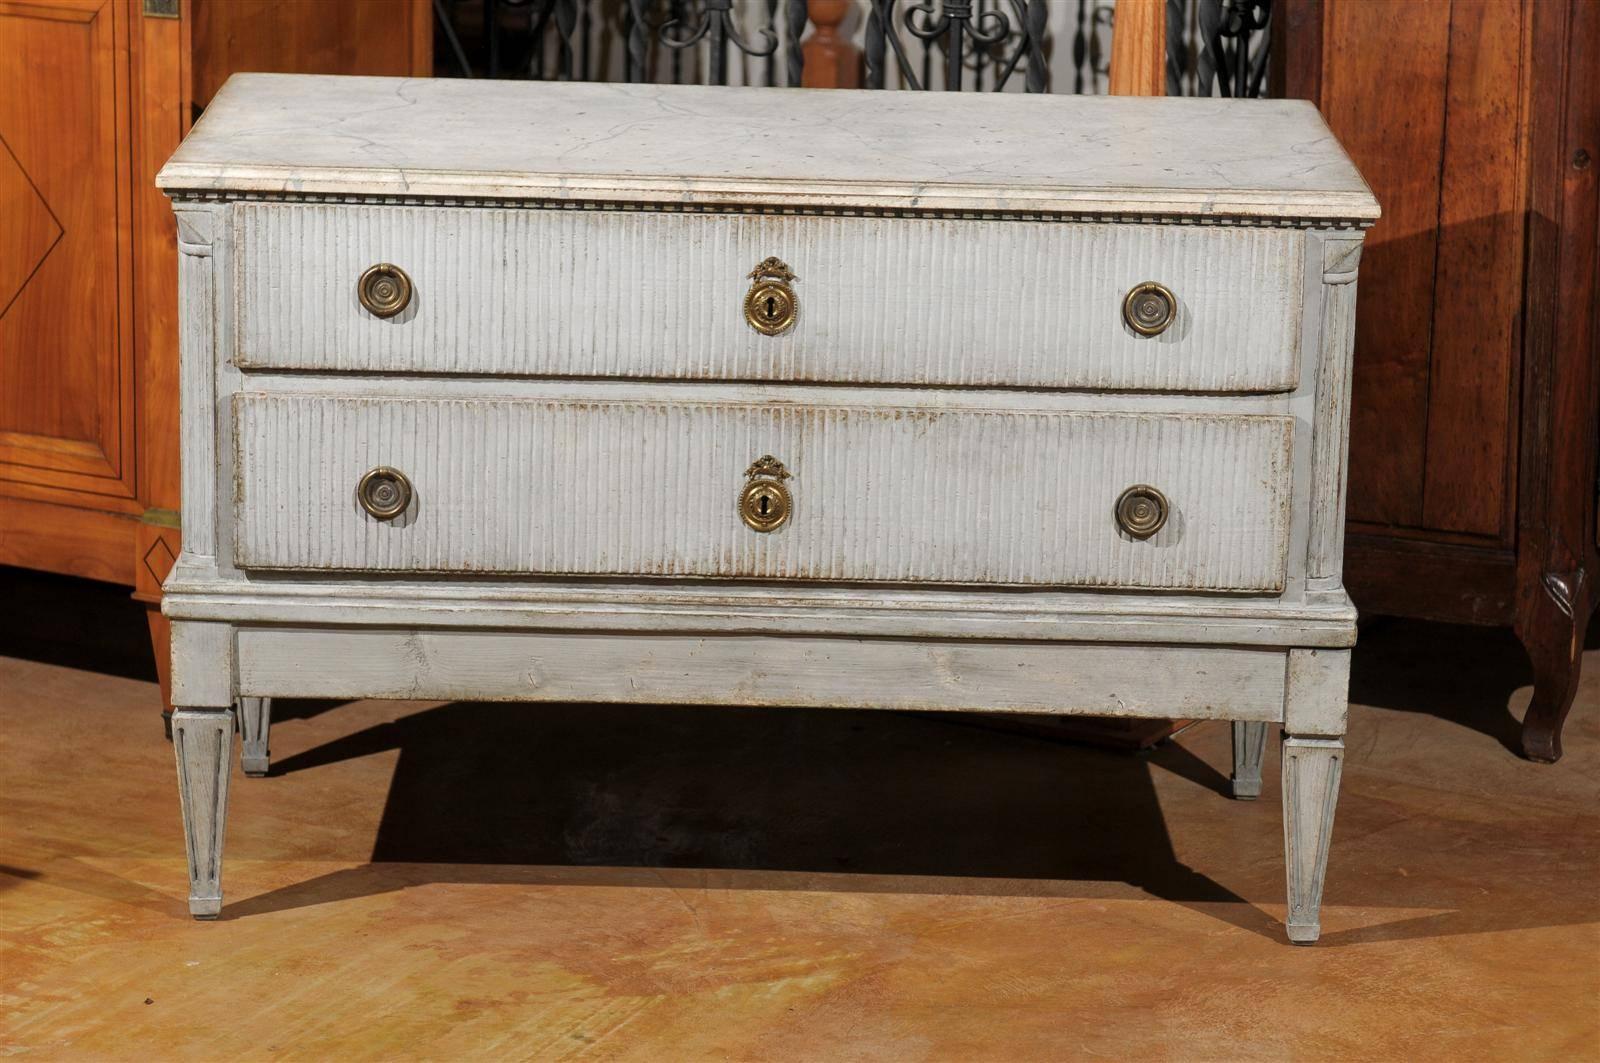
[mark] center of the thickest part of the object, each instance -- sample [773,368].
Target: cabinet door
[1431,101]
[66,336]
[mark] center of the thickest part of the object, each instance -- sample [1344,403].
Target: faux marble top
[815,149]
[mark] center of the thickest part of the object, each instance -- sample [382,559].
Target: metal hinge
[161,8]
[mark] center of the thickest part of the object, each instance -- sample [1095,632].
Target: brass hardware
[1149,309]
[764,502]
[384,492]
[384,290]
[770,305]
[1141,511]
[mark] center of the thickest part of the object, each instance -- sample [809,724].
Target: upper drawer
[543,292]
[646,488]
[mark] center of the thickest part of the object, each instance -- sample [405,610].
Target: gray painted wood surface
[1249,746]
[1311,769]
[893,494]
[575,396]
[882,300]
[1047,677]
[677,147]
[202,739]
[255,726]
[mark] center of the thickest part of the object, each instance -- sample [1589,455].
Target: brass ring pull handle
[770,306]
[384,492]
[764,502]
[1149,308]
[1141,511]
[384,290]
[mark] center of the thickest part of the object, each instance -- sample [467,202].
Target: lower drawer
[906,495]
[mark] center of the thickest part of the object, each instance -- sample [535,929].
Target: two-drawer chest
[525,392]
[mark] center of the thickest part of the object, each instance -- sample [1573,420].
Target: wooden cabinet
[94,95]
[77,148]
[1473,424]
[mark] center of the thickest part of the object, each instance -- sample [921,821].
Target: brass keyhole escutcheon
[1141,511]
[1149,308]
[384,492]
[764,502]
[770,306]
[384,290]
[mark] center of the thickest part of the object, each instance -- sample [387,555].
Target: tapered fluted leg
[1249,743]
[203,742]
[255,724]
[1310,792]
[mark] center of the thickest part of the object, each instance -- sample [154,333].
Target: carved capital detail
[1340,261]
[196,229]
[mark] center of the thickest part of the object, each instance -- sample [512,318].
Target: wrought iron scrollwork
[998,40]
[715,24]
[1213,46]
[1229,53]
[631,40]
[1091,37]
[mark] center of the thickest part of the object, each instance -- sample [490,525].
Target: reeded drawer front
[662,295]
[562,486]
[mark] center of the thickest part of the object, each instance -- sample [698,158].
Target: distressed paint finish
[958,406]
[202,663]
[679,147]
[202,740]
[196,394]
[775,609]
[1104,680]
[655,295]
[1341,259]
[1249,746]
[1316,690]
[1311,769]
[899,495]
[255,726]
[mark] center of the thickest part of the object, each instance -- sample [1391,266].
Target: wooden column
[832,62]
[1139,48]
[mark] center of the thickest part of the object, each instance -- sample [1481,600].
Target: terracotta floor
[489,882]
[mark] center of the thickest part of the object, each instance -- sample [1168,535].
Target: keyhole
[772,308]
[765,504]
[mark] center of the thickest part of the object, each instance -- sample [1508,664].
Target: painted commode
[584,392]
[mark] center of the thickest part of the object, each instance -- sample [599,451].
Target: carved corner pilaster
[198,283]
[1341,260]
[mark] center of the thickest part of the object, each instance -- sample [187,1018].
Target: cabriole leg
[203,742]
[1249,743]
[1551,627]
[255,724]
